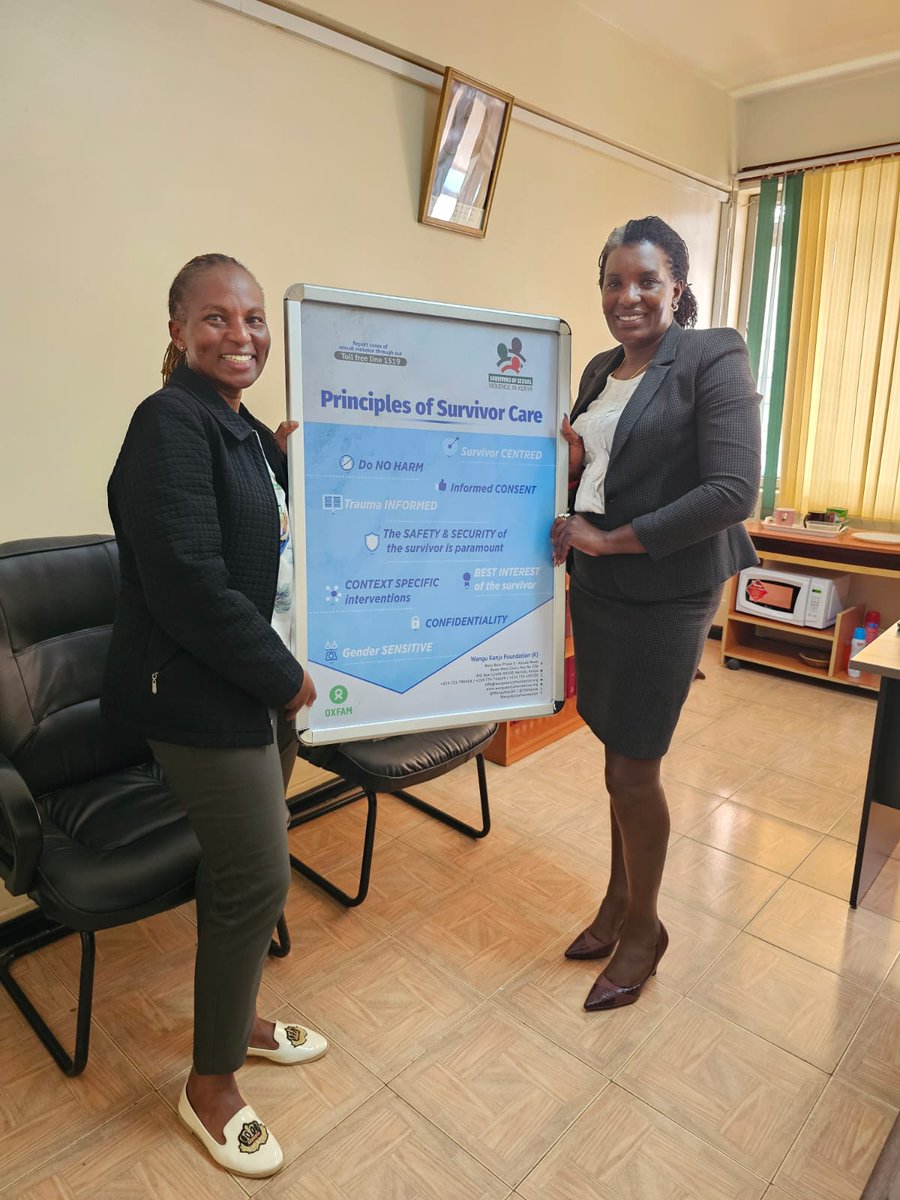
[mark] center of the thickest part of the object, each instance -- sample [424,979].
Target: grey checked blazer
[685,463]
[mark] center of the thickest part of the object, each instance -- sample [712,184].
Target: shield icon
[372,540]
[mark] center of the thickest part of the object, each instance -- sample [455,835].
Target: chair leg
[365,868]
[280,946]
[452,821]
[76,1064]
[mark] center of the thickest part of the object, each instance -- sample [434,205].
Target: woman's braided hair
[658,233]
[174,357]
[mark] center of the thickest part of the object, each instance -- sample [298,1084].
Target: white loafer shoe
[295,1045]
[250,1148]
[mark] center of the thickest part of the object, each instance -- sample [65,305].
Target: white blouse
[597,426]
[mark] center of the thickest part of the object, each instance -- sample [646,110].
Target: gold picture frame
[469,136]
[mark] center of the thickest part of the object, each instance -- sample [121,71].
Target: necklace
[634,375]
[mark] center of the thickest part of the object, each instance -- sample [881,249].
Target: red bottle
[873,625]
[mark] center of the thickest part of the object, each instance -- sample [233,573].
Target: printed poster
[425,478]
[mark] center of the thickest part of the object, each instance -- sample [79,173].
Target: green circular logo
[338,694]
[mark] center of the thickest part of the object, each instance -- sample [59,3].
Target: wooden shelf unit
[517,739]
[744,639]
[747,638]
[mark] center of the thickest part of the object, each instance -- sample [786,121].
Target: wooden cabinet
[753,639]
[516,739]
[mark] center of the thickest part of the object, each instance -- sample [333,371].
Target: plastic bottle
[873,625]
[857,644]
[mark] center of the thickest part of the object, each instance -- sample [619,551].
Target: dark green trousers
[235,802]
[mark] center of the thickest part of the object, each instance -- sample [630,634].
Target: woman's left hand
[575,533]
[283,432]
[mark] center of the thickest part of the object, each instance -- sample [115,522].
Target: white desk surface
[881,657]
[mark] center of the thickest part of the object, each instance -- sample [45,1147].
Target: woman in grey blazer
[663,468]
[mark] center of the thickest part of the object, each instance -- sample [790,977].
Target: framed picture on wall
[468,142]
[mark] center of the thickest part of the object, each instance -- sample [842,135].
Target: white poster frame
[294,299]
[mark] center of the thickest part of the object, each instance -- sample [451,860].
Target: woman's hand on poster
[575,533]
[576,449]
[304,698]
[283,432]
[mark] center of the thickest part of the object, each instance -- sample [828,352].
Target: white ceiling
[749,47]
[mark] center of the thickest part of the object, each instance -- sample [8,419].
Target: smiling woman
[223,333]
[663,467]
[201,666]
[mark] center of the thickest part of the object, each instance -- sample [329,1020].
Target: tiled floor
[764,1060]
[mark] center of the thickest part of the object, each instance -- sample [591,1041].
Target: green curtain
[792,195]
[759,286]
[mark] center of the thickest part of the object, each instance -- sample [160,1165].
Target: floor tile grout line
[614,1078]
[607,1082]
[871,994]
[861,908]
[558,934]
[731,854]
[687,995]
[335,1038]
[574,1053]
[849,979]
[850,1043]
[800,864]
[495,996]
[96,1024]
[347,1115]
[691,1132]
[432,1046]
[737,1025]
[808,1120]
[450,1137]
[758,812]
[153,1094]
[393,927]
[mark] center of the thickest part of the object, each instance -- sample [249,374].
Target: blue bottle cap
[859,631]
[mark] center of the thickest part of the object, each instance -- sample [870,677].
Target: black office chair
[89,829]
[390,764]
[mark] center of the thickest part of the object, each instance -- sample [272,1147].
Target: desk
[845,552]
[879,830]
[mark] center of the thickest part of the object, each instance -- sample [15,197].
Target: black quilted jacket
[193,658]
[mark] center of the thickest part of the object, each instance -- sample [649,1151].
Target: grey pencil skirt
[634,661]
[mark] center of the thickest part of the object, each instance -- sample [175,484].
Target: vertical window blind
[835,313]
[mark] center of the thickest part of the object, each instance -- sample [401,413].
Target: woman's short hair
[203,262]
[658,233]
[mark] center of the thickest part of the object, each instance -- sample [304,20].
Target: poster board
[425,476]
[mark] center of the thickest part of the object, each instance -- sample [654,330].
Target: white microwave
[798,597]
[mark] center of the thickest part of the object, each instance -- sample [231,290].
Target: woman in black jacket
[664,467]
[201,665]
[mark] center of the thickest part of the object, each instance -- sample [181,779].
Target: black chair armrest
[20,852]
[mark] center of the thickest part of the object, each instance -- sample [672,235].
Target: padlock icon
[415,623]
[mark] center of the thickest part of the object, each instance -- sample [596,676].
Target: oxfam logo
[338,694]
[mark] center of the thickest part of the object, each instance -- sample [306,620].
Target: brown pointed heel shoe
[587,946]
[606,994]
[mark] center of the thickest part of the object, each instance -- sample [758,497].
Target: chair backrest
[57,599]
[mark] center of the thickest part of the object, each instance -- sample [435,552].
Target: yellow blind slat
[841,431]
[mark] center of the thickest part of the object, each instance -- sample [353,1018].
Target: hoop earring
[675,304]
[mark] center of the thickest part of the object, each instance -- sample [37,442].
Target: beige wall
[563,59]
[136,135]
[824,118]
